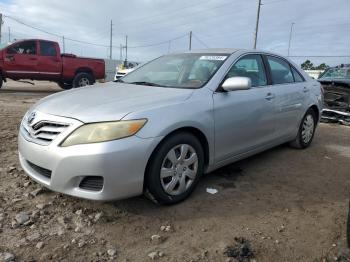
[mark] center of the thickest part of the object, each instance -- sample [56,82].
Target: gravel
[22,218]
[6,257]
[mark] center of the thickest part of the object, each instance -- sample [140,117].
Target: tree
[322,66]
[307,65]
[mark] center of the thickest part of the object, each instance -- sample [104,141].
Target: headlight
[102,132]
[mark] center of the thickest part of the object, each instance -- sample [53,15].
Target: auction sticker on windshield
[213,57]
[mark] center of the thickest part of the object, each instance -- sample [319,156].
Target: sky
[322,27]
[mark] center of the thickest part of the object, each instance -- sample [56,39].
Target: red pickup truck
[37,59]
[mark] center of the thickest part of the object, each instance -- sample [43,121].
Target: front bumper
[121,163]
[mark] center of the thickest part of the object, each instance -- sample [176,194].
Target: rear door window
[47,49]
[281,72]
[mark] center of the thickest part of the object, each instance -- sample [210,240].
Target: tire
[306,131]
[1,81]
[65,86]
[83,79]
[181,175]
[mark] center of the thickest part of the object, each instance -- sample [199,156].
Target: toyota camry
[164,125]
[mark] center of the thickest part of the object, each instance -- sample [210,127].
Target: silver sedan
[163,125]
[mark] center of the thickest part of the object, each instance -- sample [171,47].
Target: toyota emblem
[31,117]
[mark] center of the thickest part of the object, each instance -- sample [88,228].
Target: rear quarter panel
[72,64]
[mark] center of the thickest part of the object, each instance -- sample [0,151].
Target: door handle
[305,89]
[32,58]
[270,96]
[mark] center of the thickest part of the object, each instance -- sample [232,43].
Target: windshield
[178,71]
[2,46]
[337,73]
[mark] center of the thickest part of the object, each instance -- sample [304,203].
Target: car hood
[109,102]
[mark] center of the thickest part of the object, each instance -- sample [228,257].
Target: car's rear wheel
[1,81]
[174,169]
[83,79]
[306,131]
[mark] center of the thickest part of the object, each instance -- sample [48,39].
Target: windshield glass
[338,73]
[2,46]
[178,71]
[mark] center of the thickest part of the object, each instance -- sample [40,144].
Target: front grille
[93,183]
[44,131]
[40,170]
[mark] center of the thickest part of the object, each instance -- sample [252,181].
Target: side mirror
[237,83]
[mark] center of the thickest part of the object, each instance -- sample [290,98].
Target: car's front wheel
[174,169]
[306,130]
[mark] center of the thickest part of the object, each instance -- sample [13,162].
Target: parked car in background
[166,123]
[336,84]
[37,59]
[122,72]
[124,69]
[339,74]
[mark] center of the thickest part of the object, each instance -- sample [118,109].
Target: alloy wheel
[307,129]
[179,169]
[83,82]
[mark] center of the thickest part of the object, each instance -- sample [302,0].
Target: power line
[200,41]
[50,33]
[86,42]
[33,27]
[159,43]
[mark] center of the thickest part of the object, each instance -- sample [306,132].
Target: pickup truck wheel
[83,79]
[65,86]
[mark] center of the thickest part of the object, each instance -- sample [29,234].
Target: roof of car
[225,50]
[216,50]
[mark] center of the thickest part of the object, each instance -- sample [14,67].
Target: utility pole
[121,52]
[190,46]
[126,49]
[63,44]
[290,36]
[1,22]
[9,34]
[110,41]
[257,24]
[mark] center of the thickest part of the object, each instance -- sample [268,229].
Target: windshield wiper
[144,83]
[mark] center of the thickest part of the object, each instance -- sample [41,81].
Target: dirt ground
[286,204]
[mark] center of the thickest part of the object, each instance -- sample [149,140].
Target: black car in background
[336,85]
